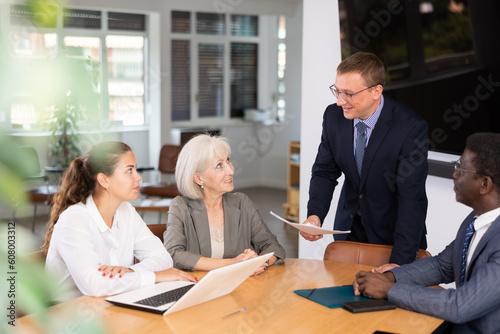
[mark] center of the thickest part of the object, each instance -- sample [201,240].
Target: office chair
[36,194]
[361,253]
[158,230]
[166,167]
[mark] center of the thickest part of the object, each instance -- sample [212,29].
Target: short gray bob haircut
[196,157]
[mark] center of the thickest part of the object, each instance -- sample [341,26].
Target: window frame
[104,123]
[195,39]
[416,61]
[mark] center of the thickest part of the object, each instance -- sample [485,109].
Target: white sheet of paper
[309,228]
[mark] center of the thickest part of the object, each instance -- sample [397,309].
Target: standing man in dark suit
[380,145]
[472,260]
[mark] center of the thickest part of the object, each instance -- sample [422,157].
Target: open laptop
[168,297]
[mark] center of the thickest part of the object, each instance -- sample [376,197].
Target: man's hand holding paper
[313,220]
[311,229]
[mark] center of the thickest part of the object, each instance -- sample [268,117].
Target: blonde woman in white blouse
[95,234]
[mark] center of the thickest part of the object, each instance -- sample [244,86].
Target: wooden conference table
[272,307]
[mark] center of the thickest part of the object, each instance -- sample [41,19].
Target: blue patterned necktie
[360,145]
[468,235]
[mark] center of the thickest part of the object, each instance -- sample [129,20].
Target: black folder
[331,297]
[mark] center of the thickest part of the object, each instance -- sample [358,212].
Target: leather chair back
[158,230]
[361,253]
[166,166]
[168,158]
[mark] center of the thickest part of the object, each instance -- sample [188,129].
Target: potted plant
[73,101]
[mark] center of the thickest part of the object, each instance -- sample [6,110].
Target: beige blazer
[187,237]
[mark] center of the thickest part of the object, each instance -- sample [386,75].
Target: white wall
[274,163]
[444,213]
[259,150]
[320,57]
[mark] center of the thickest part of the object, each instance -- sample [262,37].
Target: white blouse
[82,242]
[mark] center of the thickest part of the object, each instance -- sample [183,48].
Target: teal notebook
[331,297]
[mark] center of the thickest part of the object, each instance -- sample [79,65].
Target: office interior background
[167,69]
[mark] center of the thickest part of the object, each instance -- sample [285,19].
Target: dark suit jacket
[390,194]
[475,306]
[187,237]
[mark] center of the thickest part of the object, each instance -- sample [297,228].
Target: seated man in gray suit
[472,260]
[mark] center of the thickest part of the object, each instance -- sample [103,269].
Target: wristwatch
[267,265]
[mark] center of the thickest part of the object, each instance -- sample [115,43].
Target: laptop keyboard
[165,297]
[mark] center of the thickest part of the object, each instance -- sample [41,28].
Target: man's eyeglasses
[458,164]
[346,96]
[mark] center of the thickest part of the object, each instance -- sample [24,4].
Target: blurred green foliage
[62,87]
[12,167]
[45,12]
[71,100]
[450,34]
[66,84]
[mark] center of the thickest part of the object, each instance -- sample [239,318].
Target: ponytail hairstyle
[80,179]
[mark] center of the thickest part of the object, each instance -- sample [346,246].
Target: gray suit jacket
[187,237]
[475,306]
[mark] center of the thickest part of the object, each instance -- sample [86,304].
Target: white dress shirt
[82,242]
[481,225]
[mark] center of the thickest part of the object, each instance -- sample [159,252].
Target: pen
[237,311]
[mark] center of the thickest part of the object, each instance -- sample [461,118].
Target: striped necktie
[360,145]
[468,235]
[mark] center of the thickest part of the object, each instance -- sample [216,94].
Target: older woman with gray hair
[209,227]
